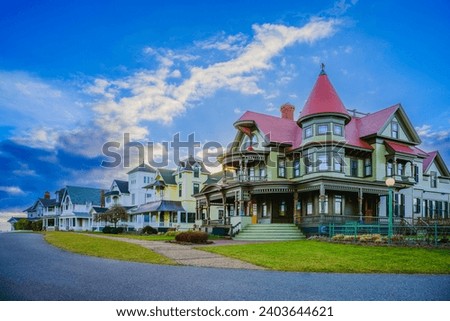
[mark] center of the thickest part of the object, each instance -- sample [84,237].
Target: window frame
[327,161]
[341,129]
[394,133]
[308,131]
[416,173]
[389,169]
[338,204]
[327,125]
[296,167]
[352,168]
[281,170]
[368,166]
[196,171]
[195,186]
[433,179]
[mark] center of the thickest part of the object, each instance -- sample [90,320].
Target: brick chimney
[102,198]
[287,111]
[47,195]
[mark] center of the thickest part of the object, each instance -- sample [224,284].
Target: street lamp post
[390,182]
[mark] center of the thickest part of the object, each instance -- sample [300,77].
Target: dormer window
[394,129]
[308,131]
[196,170]
[433,179]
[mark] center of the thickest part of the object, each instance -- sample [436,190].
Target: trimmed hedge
[192,237]
[148,230]
[112,230]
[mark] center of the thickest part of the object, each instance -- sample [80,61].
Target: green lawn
[315,256]
[111,249]
[139,237]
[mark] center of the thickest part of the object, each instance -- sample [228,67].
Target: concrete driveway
[31,269]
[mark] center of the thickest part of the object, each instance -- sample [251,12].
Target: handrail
[232,233]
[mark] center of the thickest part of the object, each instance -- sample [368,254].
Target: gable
[257,142]
[399,127]
[436,164]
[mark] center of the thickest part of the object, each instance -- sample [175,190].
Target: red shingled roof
[323,100]
[372,123]
[352,134]
[427,161]
[276,129]
[405,149]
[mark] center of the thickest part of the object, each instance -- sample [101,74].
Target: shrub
[36,226]
[398,238]
[369,238]
[348,238]
[192,237]
[148,230]
[338,237]
[172,233]
[22,224]
[112,230]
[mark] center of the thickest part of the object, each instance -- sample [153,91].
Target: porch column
[409,172]
[196,209]
[242,208]
[224,204]
[296,211]
[322,202]
[360,204]
[208,209]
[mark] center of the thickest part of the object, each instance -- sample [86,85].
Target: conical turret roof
[323,100]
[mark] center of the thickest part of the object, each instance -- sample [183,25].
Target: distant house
[76,205]
[45,209]
[171,203]
[13,220]
[118,194]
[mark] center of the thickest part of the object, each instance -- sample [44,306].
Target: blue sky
[77,74]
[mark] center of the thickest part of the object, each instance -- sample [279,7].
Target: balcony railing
[248,178]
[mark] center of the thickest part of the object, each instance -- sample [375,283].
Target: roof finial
[322,66]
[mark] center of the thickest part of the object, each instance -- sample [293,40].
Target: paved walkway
[187,255]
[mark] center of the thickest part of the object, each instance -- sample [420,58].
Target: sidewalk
[187,255]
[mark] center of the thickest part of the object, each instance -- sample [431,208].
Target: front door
[282,210]
[370,203]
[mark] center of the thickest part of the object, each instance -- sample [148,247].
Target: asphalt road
[31,269]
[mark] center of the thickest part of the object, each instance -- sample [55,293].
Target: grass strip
[105,248]
[315,256]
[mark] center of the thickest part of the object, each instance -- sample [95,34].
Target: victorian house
[172,205]
[328,165]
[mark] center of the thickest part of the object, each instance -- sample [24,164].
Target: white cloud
[270,107]
[24,171]
[64,117]
[12,190]
[434,138]
[428,132]
[126,105]
[233,43]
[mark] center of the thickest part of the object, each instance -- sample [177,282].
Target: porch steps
[270,232]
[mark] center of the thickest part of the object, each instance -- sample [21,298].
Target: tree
[22,224]
[113,215]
